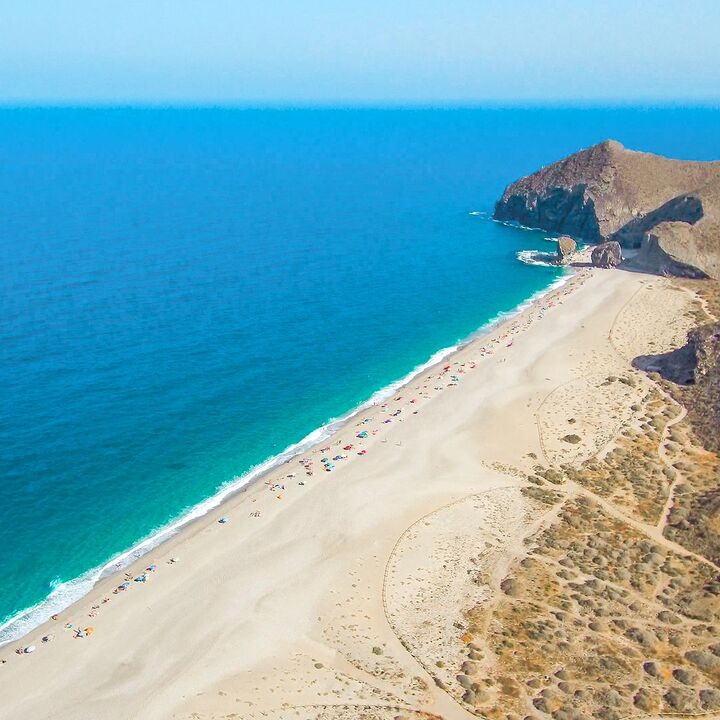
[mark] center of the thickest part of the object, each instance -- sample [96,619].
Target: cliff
[689,247]
[705,410]
[606,192]
[695,367]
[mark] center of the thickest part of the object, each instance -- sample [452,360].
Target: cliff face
[695,367]
[609,193]
[688,246]
[705,410]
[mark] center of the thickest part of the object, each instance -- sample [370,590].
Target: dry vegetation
[602,618]
[709,291]
[596,621]
[590,590]
[694,518]
[335,712]
[702,398]
[631,473]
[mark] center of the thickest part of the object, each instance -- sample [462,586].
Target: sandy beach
[339,593]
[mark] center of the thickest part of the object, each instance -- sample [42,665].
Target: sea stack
[669,209]
[566,248]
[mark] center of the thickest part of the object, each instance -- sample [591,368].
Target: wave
[535,257]
[581,244]
[64,594]
[506,315]
[516,225]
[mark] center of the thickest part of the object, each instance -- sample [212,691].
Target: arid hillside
[668,208]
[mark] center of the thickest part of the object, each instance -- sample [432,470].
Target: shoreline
[30,620]
[328,594]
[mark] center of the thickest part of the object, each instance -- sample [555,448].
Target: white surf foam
[535,257]
[506,315]
[516,225]
[64,594]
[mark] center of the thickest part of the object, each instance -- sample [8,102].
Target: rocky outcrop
[705,405]
[566,248]
[688,247]
[696,366]
[661,249]
[607,255]
[683,208]
[666,208]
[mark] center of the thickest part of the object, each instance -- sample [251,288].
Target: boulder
[566,248]
[607,255]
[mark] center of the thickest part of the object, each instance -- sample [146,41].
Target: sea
[188,295]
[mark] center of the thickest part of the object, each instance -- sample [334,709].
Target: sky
[369,52]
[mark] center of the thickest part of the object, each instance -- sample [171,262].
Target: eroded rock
[607,255]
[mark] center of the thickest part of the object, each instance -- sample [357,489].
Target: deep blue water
[185,293]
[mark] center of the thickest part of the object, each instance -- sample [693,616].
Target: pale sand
[327,603]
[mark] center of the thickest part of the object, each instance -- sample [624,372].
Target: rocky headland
[668,210]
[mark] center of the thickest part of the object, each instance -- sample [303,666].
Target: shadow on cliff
[695,369]
[678,366]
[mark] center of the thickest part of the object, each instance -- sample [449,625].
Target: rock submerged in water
[669,209]
[607,255]
[565,249]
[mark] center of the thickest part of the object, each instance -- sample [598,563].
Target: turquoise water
[186,293]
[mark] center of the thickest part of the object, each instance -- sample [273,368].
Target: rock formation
[566,248]
[688,247]
[696,367]
[607,255]
[670,209]
[704,400]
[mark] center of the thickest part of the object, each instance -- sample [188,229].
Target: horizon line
[555,104]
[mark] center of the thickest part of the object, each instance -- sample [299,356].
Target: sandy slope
[286,610]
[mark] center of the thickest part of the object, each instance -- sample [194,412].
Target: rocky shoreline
[668,210]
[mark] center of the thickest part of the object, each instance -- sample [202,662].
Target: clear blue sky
[369,51]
